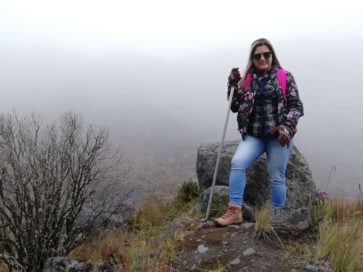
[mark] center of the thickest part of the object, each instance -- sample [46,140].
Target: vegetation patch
[135,248]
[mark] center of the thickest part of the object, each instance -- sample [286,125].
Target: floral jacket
[290,109]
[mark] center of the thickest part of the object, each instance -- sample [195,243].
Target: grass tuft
[153,213]
[262,225]
[263,228]
[341,243]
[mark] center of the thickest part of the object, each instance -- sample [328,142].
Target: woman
[268,114]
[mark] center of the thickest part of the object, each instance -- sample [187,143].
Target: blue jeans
[247,152]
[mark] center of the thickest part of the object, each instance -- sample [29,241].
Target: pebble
[205,225]
[249,251]
[233,227]
[310,267]
[202,249]
[247,225]
[235,261]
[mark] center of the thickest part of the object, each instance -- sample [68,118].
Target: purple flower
[322,194]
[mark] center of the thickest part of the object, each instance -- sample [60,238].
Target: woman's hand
[243,133]
[234,77]
[283,134]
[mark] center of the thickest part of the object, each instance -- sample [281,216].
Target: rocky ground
[234,248]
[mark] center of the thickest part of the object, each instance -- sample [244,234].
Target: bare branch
[48,176]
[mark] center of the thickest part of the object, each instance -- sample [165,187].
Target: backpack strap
[281,78]
[246,81]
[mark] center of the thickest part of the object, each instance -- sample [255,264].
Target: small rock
[106,267]
[247,225]
[225,242]
[299,219]
[65,264]
[310,267]
[79,266]
[248,252]
[202,249]
[233,226]
[199,240]
[205,224]
[235,261]
[153,253]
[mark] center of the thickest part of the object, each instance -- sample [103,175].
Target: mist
[159,110]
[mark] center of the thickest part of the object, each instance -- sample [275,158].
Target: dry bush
[48,176]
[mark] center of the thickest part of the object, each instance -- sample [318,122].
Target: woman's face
[262,58]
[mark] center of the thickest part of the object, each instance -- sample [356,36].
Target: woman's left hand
[283,134]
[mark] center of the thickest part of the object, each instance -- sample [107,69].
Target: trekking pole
[219,154]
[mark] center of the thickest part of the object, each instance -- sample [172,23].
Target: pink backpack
[281,78]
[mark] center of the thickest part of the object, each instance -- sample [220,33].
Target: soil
[211,248]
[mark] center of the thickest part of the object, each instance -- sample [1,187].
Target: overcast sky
[155,71]
[171,28]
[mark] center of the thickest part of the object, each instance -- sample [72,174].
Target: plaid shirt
[264,114]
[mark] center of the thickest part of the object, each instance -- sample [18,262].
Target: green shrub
[219,203]
[188,191]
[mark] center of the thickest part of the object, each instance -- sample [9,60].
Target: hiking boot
[231,215]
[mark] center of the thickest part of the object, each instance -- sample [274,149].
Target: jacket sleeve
[294,107]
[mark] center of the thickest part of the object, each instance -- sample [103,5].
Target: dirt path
[229,249]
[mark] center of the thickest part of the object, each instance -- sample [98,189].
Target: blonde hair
[254,45]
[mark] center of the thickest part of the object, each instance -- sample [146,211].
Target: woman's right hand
[234,77]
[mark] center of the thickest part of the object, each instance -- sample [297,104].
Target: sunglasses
[266,55]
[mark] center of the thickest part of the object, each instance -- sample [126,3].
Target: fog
[160,108]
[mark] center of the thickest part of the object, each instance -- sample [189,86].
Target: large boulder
[300,185]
